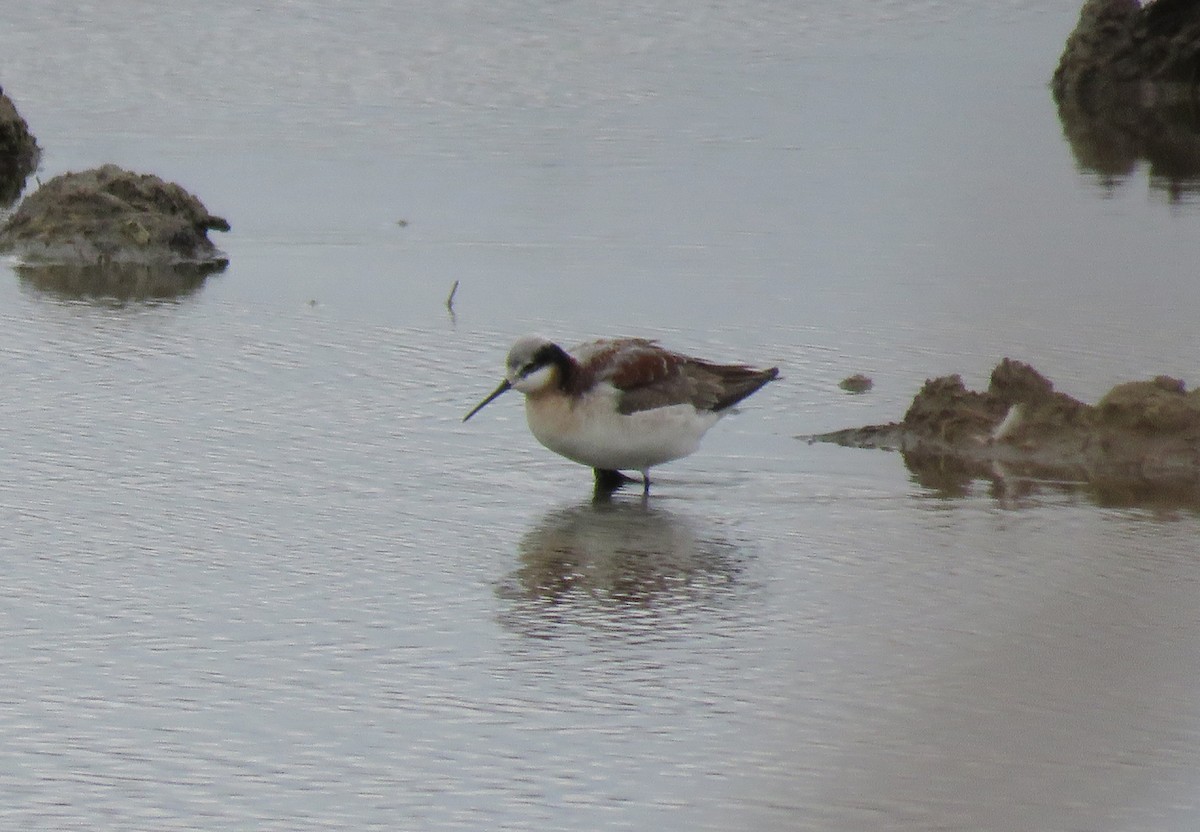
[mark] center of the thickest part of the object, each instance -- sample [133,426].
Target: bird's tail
[740,382]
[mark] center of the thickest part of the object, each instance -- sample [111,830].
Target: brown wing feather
[648,377]
[653,378]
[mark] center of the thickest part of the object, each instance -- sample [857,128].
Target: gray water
[258,575]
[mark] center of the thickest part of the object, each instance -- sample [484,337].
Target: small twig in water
[450,300]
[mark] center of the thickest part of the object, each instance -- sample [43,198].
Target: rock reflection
[117,281]
[615,554]
[1012,485]
[1110,136]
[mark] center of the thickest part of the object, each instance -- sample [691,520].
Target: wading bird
[621,403]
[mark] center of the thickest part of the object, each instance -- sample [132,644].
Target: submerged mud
[1142,435]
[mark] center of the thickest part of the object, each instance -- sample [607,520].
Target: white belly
[590,431]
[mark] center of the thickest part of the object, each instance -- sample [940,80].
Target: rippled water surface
[258,574]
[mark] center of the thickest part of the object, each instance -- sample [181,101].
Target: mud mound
[1127,89]
[19,152]
[111,215]
[1122,42]
[1142,433]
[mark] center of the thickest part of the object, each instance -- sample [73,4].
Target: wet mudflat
[259,574]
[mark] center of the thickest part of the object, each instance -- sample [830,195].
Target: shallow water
[259,574]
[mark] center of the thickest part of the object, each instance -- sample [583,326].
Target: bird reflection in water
[615,554]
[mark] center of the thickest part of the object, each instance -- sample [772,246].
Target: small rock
[857,383]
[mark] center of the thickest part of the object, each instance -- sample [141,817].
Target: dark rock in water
[19,152]
[1128,88]
[111,215]
[1143,434]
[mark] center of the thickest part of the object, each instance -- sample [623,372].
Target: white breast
[589,430]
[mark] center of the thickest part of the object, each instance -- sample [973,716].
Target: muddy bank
[111,215]
[1127,88]
[1142,435]
[19,152]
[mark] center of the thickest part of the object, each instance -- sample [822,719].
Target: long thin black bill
[504,385]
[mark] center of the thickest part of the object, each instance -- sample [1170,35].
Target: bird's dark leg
[608,481]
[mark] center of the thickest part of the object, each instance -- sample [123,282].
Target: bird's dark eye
[522,370]
[540,360]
